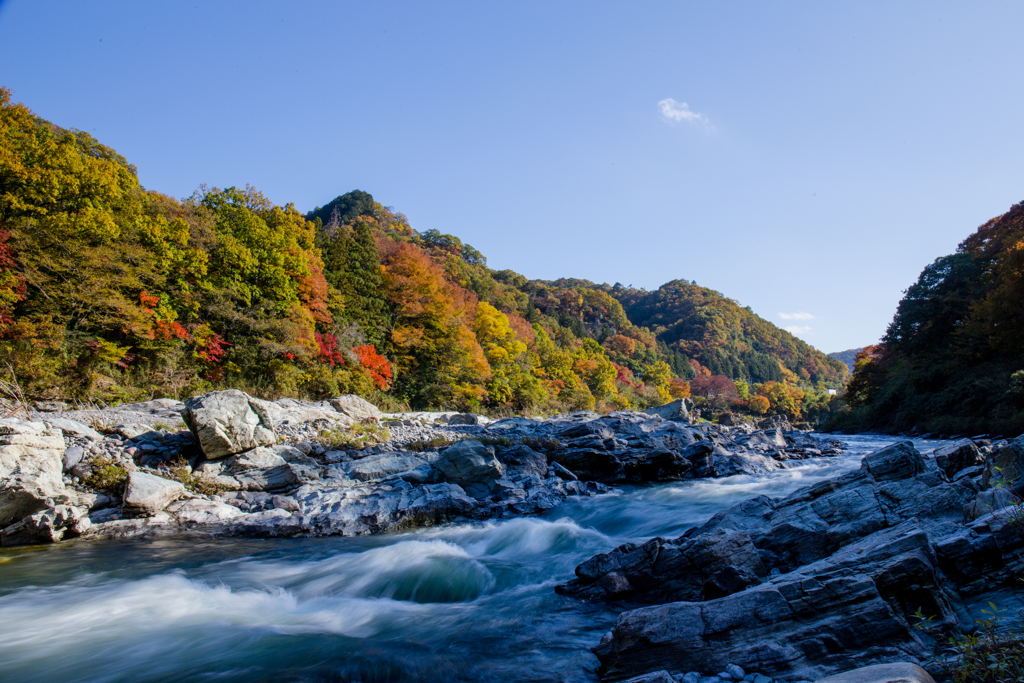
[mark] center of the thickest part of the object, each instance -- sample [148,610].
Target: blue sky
[805,159]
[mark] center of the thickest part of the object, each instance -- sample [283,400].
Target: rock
[261,469]
[735,671]
[158,406]
[228,422]
[851,608]
[285,503]
[563,473]
[380,466]
[357,510]
[992,500]
[47,526]
[72,456]
[470,462]
[50,406]
[132,430]
[464,419]
[957,456]
[73,428]
[146,494]
[522,461]
[898,461]
[199,511]
[903,672]
[1006,466]
[656,677]
[676,410]
[691,677]
[356,408]
[799,586]
[31,467]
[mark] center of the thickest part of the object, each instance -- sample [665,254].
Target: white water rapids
[457,603]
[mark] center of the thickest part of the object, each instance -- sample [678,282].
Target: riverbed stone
[146,494]
[901,672]
[228,422]
[380,466]
[676,410]
[957,456]
[72,456]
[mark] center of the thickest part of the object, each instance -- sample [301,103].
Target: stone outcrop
[676,410]
[31,465]
[806,585]
[228,422]
[470,464]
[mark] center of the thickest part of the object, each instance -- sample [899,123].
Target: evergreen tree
[353,267]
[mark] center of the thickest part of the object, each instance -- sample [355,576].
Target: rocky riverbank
[228,464]
[824,579]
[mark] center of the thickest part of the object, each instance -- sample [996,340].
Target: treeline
[952,360]
[112,292]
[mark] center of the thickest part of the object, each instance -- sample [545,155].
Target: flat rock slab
[902,672]
[147,494]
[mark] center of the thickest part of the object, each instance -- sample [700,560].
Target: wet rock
[903,672]
[656,677]
[146,494]
[228,422]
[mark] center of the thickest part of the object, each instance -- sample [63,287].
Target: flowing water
[467,602]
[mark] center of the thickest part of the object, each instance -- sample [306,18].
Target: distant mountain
[849,357]
[725,337]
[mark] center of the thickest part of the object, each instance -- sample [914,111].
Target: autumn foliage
[111,291]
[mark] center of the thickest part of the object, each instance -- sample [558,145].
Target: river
[468,602]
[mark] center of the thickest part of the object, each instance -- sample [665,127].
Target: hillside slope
[952,358]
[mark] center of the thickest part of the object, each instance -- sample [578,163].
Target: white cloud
[798,329]
[674,112]
[796,316]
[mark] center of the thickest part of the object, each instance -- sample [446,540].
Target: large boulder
[228,422]
[676,410]
[146,494]
[31,466]
[357,408]
[470,462]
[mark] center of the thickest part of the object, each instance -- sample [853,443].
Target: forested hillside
[113,292]
[952,359]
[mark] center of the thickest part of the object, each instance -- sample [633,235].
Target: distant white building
[832,392]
